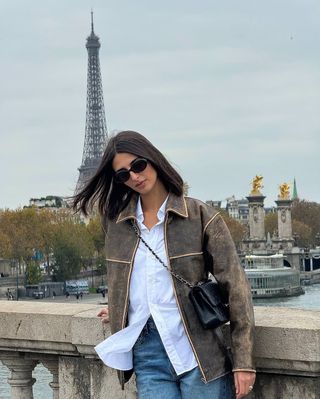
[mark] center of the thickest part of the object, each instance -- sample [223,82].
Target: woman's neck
[152,201]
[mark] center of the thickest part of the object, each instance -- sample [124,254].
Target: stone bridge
[62,338]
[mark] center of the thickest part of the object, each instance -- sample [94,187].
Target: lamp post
[17,281]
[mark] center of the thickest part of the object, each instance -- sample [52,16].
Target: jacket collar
[175,204]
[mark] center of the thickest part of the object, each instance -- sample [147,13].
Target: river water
[41,389]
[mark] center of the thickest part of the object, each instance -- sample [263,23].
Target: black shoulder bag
[205,296]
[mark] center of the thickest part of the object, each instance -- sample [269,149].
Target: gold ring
[250,387]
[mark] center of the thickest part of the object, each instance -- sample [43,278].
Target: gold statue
[284,191]
[256,185]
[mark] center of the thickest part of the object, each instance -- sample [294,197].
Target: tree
[20,226]
[33,273]
[5,245]
[307,213]
[26,234]
[47,228]
[67,259]
[237,230]
[97,234]
[271,223]
[302,232]
[72,247]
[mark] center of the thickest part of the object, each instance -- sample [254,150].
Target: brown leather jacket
[197,241]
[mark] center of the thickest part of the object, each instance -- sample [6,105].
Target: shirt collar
[175,204]
[160,215]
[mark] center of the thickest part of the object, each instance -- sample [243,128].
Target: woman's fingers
[236,384]
[105,319]
[104,314]
[244,381]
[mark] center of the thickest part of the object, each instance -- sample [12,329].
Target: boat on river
[270,278]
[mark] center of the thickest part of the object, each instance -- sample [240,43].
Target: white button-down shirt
[151,293]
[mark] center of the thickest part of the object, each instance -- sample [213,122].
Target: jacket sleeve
[224,264]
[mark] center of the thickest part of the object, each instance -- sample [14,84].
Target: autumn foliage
[305,223]
[306,214]
[30,237]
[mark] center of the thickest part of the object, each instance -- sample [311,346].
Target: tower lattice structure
[96,133]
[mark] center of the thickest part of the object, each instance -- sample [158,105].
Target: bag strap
[177,276]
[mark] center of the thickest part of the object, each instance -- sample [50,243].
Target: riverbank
[309,300]
[88,298]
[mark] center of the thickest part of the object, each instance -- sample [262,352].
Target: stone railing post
[21,380]
[52,364]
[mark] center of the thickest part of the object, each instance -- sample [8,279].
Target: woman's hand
[243,381]
[104,314]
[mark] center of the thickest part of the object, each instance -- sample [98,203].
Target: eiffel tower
[96,133]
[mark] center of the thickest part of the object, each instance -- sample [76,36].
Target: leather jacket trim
[189,254]
[125,218]
[215,378]
[248,370]
[184,212]
[129,212]
[125,313]
[117,260]
[178,213]
[210,220]
[179,306]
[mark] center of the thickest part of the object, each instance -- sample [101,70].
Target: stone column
[52,364]
[285,222]
[257,235]
[21,380]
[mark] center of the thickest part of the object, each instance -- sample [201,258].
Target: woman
[155,331]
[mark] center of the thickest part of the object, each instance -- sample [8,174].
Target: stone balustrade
[62,338]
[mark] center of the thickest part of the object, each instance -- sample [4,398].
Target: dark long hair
[112,197]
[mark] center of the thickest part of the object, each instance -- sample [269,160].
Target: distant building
[59,204]
[271,209]
[214,204]
[51,201]
[238,209]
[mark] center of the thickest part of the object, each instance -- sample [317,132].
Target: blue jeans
[156,378]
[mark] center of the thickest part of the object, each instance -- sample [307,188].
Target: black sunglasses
[137,166]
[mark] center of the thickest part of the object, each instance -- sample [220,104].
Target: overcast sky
[226,90]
